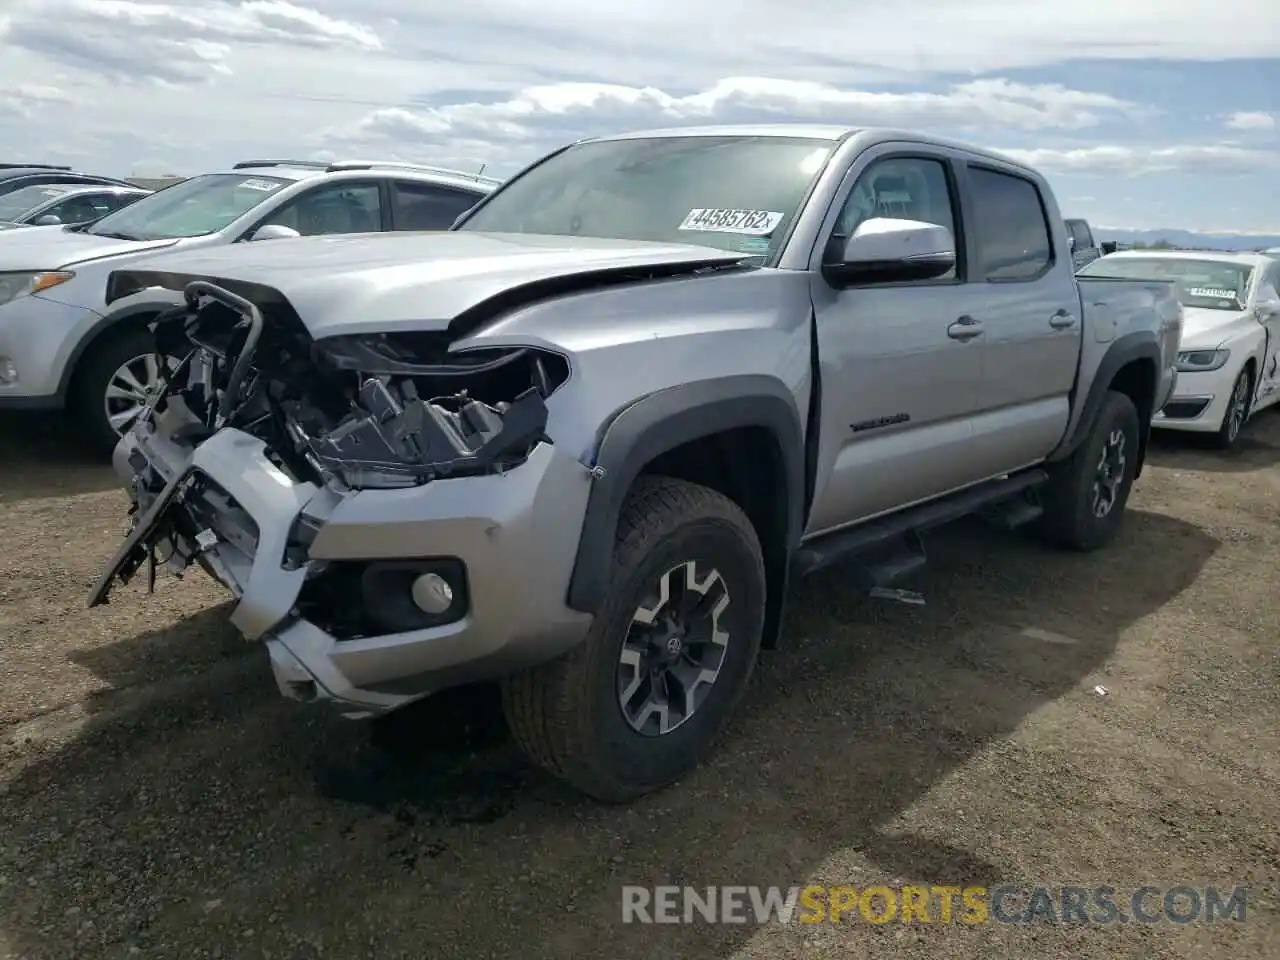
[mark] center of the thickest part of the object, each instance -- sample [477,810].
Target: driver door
[901,366]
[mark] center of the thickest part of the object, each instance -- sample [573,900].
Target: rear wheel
[1085,498]
[1237,412]
[668,657]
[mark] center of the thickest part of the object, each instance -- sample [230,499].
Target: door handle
[965,328]
[1062,320]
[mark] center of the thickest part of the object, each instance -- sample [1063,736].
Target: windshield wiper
[118,235]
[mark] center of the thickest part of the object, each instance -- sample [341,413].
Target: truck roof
[811,131]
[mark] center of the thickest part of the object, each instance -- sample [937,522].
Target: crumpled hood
[1203,328]
[420,281]
[52,248]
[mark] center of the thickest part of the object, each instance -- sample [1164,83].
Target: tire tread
[545,706]
[1065,521]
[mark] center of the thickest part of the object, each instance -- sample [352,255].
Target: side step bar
[898,535]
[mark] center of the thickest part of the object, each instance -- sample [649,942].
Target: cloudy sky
[1144,113]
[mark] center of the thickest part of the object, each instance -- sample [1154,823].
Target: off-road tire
[1068,519]
[565,714]
[96,369]
[1224,439]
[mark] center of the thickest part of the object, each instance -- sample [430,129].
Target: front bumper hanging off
[514,534]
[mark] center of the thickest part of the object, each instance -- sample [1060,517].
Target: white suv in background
[61,347]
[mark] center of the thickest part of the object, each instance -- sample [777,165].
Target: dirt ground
[158,799]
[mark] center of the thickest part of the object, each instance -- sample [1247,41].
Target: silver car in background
[63,204]
[60,345]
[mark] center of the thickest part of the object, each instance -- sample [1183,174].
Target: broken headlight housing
[418,413]
[356,412]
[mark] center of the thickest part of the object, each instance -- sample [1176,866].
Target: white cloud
[192,84]
[1248,120]
[666,41]
[544,116]
[26,98]
[183,43]
[1138,160]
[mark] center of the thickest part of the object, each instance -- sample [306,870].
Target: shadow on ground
[1257,448]
[223,818]
[44,457]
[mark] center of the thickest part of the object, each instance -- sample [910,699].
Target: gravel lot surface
[158,799]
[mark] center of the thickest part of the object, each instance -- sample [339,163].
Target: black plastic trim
[663,421]
[1139,345]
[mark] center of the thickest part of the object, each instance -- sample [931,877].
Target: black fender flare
[662,421]
[1139,345]
[104,323]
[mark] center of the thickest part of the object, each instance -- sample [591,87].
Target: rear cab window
[1010,226]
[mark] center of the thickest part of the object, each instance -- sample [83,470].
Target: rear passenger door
[1029,311]
[426,206]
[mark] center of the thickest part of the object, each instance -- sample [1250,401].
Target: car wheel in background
[1237,412]
[113,384]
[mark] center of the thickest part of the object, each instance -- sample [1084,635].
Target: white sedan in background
[1228,358]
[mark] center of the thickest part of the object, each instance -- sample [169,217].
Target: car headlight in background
[15,285]
[1199,361]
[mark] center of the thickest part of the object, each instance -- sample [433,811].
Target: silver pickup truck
[581,442]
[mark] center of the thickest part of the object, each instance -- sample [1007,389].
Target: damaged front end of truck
[381,490]
[324,419]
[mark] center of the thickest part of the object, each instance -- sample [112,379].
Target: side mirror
[884,250]
[48,220]
[274,231]
[1107,246]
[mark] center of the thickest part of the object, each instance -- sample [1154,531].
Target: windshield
[736,193]
[191,208]
[1212,284]
[13,205]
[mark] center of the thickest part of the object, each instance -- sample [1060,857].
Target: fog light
[8,372]
[403,595]
[432,594]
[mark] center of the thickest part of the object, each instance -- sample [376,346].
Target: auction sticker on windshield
[753,223]
[266,186]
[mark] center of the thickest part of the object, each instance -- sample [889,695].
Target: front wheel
[1237,412]
[668,657]
[1085,498]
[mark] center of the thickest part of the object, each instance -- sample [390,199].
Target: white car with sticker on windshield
[1229,356]
[61,347]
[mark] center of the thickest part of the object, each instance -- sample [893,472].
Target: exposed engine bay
[351,412]
[345,413]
